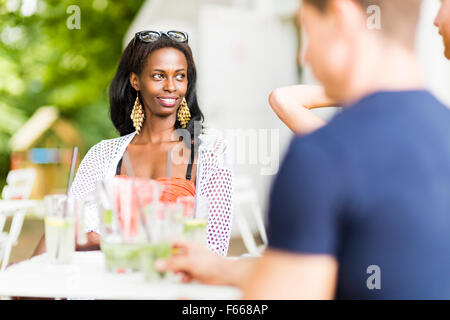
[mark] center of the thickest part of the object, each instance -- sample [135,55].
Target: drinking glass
[125,205]
[194,228]
[165,225]
[59,229]
[120,255]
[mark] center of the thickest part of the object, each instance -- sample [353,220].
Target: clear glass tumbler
[59,229]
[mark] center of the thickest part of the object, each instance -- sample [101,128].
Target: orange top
[175,188]
[171,189]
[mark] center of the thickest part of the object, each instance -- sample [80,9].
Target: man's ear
[134,81]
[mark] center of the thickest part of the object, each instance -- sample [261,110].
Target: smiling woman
[151,70]
[152,96]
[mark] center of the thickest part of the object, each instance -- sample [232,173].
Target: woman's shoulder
[108,147]
[117,141]
[113,142]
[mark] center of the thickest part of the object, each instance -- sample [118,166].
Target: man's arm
[283,275]
[277,275]
[196,262]
[293,106]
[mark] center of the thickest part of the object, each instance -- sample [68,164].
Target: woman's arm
[293,106]
[93,243]
[215,178]
[40,248]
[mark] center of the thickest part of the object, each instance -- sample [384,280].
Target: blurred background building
[45,143]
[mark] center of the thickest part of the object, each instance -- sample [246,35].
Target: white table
[86,278]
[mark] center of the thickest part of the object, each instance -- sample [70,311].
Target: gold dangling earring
[137,115]
[183,114]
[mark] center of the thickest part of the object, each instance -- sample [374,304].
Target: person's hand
[195,262]
[92,242]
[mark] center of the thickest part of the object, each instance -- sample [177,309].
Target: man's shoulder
[326,139]
[384,117]
[389,106]
[318,150]
[383,128]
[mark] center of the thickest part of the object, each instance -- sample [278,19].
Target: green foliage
[43,62]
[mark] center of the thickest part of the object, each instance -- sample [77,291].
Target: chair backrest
[19,184]
[244,198]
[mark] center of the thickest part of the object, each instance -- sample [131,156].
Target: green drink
[132,257]
[122,257]
[149,254]
[195,229]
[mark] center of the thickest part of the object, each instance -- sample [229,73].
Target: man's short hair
[399,18]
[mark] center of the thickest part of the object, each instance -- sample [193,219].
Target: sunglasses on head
[152,36]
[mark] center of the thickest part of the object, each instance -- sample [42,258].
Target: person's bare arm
[196,262]
[276,275]
[40,248]
[293,106]
[283,275]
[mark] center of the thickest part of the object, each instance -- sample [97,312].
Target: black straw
[72,168]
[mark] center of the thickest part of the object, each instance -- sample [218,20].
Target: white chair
[245,198]
[19,186]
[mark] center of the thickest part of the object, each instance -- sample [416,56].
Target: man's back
[372,188]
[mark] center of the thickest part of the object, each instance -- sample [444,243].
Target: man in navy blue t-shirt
[372,190]
[360,208]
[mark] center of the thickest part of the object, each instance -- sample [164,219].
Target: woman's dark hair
[319,4]
[122,95]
